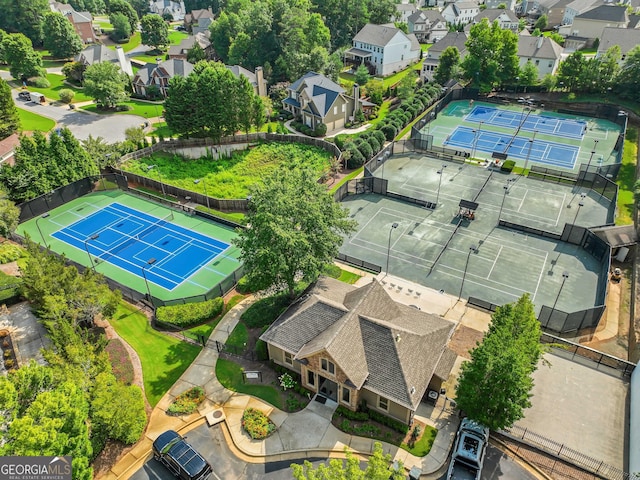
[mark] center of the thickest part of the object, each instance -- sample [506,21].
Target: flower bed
[257,424]
[187,402]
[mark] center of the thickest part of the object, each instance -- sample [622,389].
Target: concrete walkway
[308,432]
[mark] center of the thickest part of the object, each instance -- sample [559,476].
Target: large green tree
[106,84]
[494,387]
[124,7]
[9,217]
[571,70]
[24,16]
[59,36]
[9,119]
[627,81]
[448,67]
[155,32]
[378,468]
[295,229]
[141,7]
[43,164]
[22,58]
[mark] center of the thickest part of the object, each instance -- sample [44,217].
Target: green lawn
[348,277]
[133,42]
[57,84]
[164,359]
[423,446]
[395,78]
[239,336]
[143,109]
[382,112]
[626,178]
[229,374]
[231,177]
[351,176]
[236,217]
[48,63]
[206,328]
[30,121]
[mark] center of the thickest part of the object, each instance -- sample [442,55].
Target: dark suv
[178,456]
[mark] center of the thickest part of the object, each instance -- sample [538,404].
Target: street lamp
[565,275]
[531,140]
[472,249]
[431,115]
[440,172]
[151,167]
[506,190]
[593,151]
[204,184]
[44,215]
[394,225]
[476,135]
[150,262]
[86,247]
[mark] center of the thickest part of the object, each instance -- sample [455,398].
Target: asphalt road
[210,442]
[82,124]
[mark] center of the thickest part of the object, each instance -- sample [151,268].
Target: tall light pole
[151,167]
[44,215]
[150,262]
[431,115]
[472,249]
[394,225]
[86,247]
[440,173]
[593,151]
[204,184]
[506,190]
[531,140]
[476,135]
[565,275]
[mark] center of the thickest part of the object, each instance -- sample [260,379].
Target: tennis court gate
[58,197]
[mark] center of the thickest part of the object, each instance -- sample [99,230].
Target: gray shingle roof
[492,14]
[529,47]
[451,39]
[96,54]
[626,38]
[582,5]
[606,13]
[388,348]
[618,236]
[168,69]
[378,35]
[421,16]
[320,90]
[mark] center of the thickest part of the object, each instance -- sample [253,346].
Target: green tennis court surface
[121,234]
[557,140]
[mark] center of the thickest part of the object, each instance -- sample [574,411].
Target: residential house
[357,346]
[404,11]
[543,52]
[8,147]
[460,13]
[384,49]
[157,76]
[198,21]
[509,4]
[590,25]
[451,39]
[438,4]
[82,21]
[163,7]
[553,9]
[256,79]
[317,99]
[625,38]
[428,26]
[100,53]
[577,7]
[506,19]
[181,50]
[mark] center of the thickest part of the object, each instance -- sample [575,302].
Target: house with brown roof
[256,78]
[82,21]
[181,50]
[198,21]
[156,76]
[356,346]
[8,147]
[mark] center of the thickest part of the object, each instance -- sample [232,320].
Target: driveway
[82,124]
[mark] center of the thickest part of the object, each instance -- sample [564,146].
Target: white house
[590,25]
[460,13]
[404,11]
[543,52]
[385,49]
[577,7]
[506,19]
[428,26]
[451,39]
[161,7]
[509,4]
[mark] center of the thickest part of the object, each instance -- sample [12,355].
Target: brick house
[198,21]
[357,346]
[158,75]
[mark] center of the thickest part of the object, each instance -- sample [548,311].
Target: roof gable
[378,35]
[605,13]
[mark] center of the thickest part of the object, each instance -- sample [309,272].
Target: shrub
[123,108]
[10,252]
[190,314]
[187,402]
[356,159]
[265,311]
[257,424]
[389,132]
[40,82]
[379,136]
[262,353]
[66,95]
[365,149]
[286,381]
[320,130]
[374,144]
[507,166]
[351,415]
[8,363]
[245,285]
[389,422]
[332,270]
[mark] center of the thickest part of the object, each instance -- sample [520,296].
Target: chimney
[356,99]
[262,85]
[540,40]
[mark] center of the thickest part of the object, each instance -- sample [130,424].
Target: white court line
[522,201]
[411,262]
[544,264]
[516,245]
[485,278]
[426,220]
[469,279]
[495,261]
[391,250]
[560,210]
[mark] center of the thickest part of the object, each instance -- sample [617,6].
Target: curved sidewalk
[305,433]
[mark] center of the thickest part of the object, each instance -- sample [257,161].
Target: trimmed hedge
[507,166]
[257,424]
[368,414]
[190,314]
[265,311]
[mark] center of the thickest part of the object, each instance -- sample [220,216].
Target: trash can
[414,473]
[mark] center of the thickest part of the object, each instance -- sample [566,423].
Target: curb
[504,447]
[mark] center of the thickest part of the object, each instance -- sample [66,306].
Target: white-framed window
[383,403]
[346,395]
[335,110]
[343,106]
[288,358]
[327,366]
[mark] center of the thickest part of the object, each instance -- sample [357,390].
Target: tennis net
[154,226]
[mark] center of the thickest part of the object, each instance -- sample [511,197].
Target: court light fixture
[394,225]
[565,275]
[150,262]
[44,215]
[204,184]
[472,249]
[95,236]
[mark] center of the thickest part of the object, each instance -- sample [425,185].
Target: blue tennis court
[531,122]
[539,151]
[131,240]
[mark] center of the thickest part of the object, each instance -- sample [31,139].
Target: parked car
[179,457]
[24,95]
[468,451]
